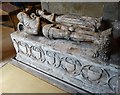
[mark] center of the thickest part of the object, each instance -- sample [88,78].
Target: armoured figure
[74,28]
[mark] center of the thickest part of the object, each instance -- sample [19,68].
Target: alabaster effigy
[71,52]
[74,28]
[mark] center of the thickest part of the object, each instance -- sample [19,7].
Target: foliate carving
[37,53]
[21,46]
[53,59]
[71,65]
[75,68]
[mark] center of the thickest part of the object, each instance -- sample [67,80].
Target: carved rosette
[94,75]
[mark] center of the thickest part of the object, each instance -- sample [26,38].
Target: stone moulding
[66,61]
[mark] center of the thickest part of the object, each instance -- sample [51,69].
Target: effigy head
[28,24]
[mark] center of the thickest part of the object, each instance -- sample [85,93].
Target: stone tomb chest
[67,62]
[63,65]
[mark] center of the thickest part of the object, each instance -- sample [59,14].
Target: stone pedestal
[64,64]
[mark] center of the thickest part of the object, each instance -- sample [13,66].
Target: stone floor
[13,79]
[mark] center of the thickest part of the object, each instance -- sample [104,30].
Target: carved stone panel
[72,68]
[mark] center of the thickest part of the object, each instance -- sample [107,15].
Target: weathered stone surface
[111,10]
[75,8]
[66,61]
[107,10]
